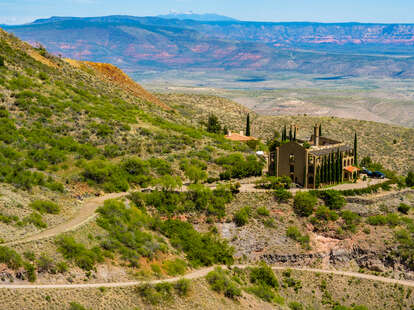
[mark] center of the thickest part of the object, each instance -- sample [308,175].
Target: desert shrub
[263,292]
[112,151]
[62,267]
[282,195]
[220,282]
[76,306]
[125,231]
[304,203]
[262,211]
[274,182]
[332,198]
[409,180]
[182,287]
[175,267]
[238,167]
[77,252]
[35,219]
[293,233]
[294,305]
[44,206]
[241,217]
[45,264]
[404,208]
[201,249]
[195,174]
[30,271]
[263,275]
[390,219]
[10,257]
[161,166]
[155,294]
[322,215]
[351,220]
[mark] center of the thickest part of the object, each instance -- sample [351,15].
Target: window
[292,168]
[291,158]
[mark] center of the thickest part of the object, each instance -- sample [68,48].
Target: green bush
[76,306]
[31,272]
[390,219]
[45,264]
[35,219]
[293,233]
[282,195]
[220,282]
[125,227]
[332,198]
[182,287]
[322,215]
[404,208]
[155,294]
[262,211]
[274,182]
[263,292]
[409,180]
[2,61]
[10,257]
[304,203]
[351,220]
[238,167]
[175,267]
[201,249]
[241,217]
[263,275]
[294,305]
[44,206]
[77,252]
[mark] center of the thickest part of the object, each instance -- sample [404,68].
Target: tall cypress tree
[356,150]
[318,177]
[323,170]
[248,125]
[290,134]
[294,134]
[320,130]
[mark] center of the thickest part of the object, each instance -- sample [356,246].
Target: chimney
[316,135]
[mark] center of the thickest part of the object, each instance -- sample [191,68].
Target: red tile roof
[351,169]
[238,137]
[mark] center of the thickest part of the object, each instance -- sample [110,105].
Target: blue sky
[387,11]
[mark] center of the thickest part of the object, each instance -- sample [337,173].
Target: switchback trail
[202,273]
[84,215]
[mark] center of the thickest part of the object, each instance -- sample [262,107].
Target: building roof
[329,150]
[351,169]
[238,137]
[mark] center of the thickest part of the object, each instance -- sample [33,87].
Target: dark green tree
[294,135]
[318,177]
[1,61]
[356,150]
[213,124]
[409,180]
[320,130]
[290,134]
[248,125]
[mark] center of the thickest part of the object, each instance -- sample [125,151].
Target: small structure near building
[312,163]
[239,137]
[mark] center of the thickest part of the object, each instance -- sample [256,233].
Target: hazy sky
[388,11]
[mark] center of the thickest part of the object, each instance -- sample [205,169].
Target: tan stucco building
[311,163]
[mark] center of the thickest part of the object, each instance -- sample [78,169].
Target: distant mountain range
[137,43]
[200,17]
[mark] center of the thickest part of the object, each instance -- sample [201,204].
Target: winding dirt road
[199,274]
[85,214]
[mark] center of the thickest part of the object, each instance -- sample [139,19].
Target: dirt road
[85,214]
[202,273]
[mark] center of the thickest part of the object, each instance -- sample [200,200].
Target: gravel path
[85,214]
[202,273]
